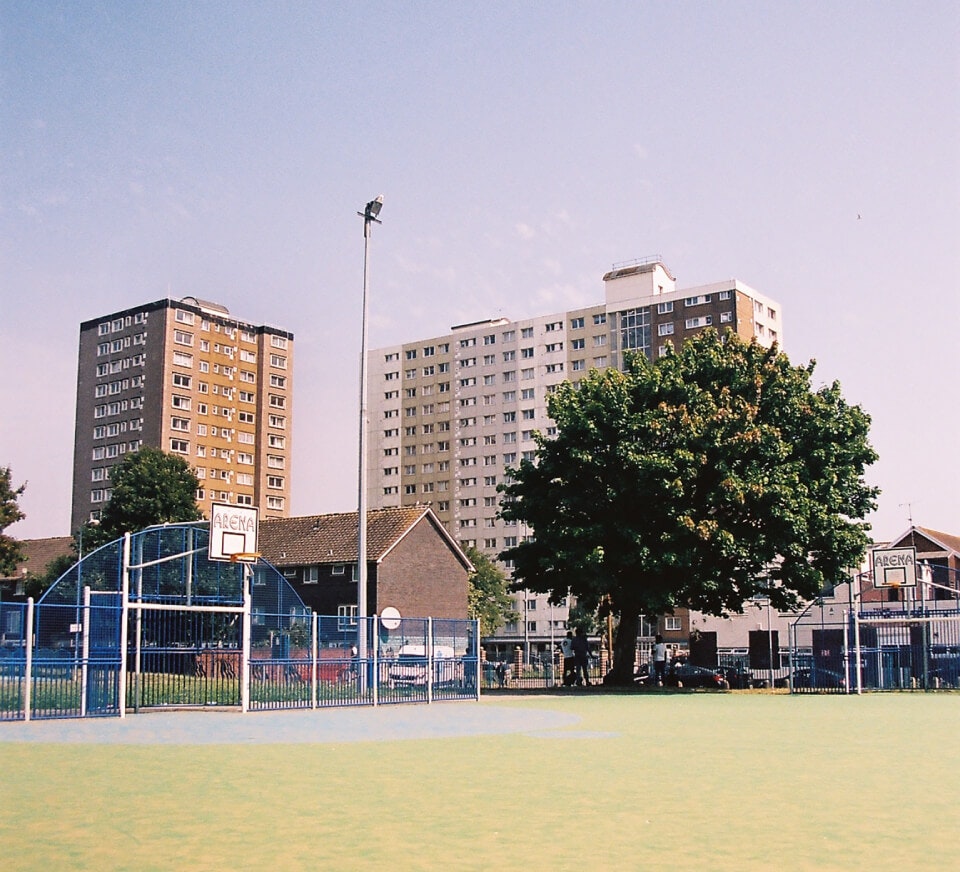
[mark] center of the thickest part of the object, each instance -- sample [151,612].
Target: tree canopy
[149,487]
[487,597]
[703,478]
[10,513]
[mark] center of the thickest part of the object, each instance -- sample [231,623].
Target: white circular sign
[390,618]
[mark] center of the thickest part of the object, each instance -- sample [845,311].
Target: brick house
[941,551]
[413,564]
[38,555]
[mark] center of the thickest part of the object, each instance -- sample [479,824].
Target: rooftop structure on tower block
[187,377]
[448,414]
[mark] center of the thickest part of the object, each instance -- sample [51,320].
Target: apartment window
[428,351]
[528,414]
[245,438]
[700,300]
[510,458]
[179,446]
[181,358]
[600,319]
[278,402]
[249,418]
[489,359]
[181,380]
[725,295]
[275,481]
[702,321]
[277,421]
[244,500]
[526,333]
[278,360]
[726,317]
[600,362]
[664,308]
[509,335]
[182,424]
[489,481]
[554,325]
[526,374]
[182,337]
[509,417]
[665,329]
[275,503]
[578,365]
[247,356]
[509,437]
[468,343]
[179,402]
[250,397]
[555,346]
[577,344]
[526,353]
[554,367]
[576,323]
[428,370]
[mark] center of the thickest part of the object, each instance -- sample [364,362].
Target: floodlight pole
[369,215]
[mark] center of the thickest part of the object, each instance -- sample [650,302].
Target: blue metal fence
[150,622]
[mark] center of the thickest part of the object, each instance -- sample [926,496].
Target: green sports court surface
[583,781]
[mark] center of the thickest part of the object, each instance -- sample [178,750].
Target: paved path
[362,724]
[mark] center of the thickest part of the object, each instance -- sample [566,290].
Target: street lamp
[369,215]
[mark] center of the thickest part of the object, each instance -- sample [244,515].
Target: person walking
[581,657]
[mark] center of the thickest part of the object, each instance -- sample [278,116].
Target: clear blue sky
[811,150]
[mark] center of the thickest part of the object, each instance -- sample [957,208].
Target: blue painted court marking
[325,726]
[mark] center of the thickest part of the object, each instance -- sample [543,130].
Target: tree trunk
[624,649]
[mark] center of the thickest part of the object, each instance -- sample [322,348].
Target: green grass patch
[658,781]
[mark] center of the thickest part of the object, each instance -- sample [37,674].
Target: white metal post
[429,659]
[477,664]
[314,653]
[856,648]
[28,663]
[245,663]
[376,660]
[124,619]
[85,653]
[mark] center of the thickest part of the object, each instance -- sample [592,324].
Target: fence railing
[67,661]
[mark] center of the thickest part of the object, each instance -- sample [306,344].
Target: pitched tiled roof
[950,542]
[319,539]
[39,552]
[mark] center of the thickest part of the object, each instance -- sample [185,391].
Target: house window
[346,616]
[311,575]
[671,623]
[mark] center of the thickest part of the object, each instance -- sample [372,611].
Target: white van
[410,667]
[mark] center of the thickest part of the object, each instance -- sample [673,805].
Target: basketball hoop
[245,557]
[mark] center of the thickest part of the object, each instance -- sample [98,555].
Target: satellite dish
[390,618]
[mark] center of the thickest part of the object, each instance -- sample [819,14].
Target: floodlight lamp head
[373,208]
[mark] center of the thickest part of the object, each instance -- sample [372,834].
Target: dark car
[738,677]
[683,674]
[818,677]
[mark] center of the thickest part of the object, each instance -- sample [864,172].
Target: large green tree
[487,598]
[700,479]
[149,487]
[10,513]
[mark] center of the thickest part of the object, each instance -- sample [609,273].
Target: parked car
[410,667]
[680,673]
[818,676]
[738,677]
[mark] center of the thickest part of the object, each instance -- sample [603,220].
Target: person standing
[581,657]
[659,659]
[566,651]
